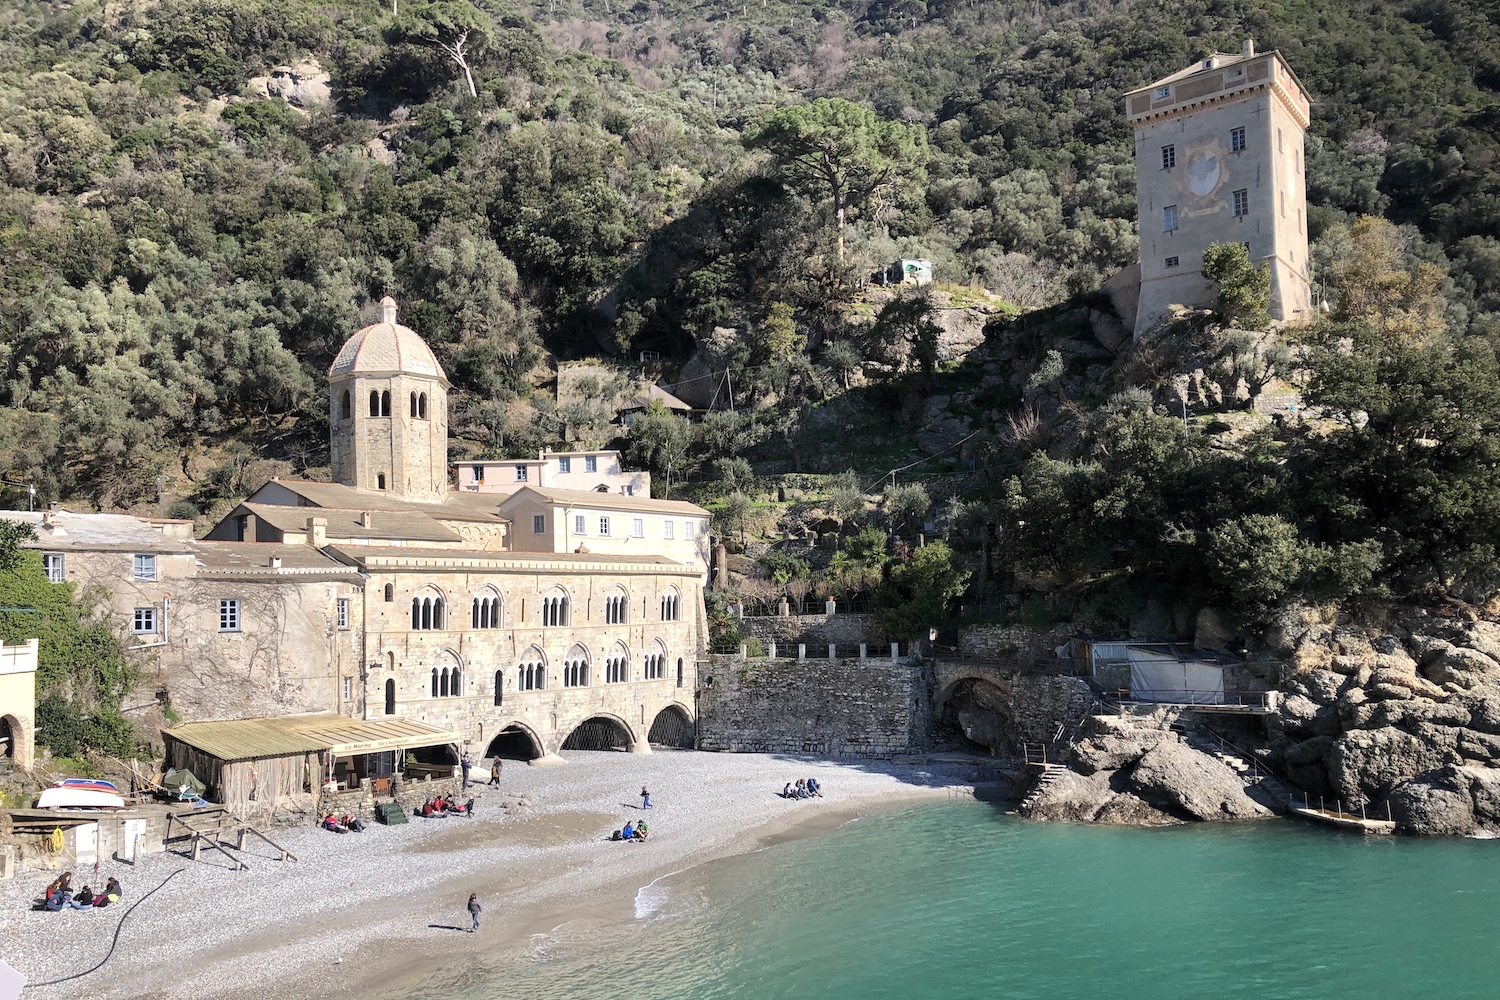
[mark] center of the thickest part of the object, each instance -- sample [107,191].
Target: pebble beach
[359,914]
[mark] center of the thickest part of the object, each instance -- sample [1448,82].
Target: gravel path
[361,909]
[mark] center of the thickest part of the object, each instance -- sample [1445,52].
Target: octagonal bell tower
[388,412]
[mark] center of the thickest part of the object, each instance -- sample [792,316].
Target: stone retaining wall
[835,708]
[816,631]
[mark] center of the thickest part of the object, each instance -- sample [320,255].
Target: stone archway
[975,714]
[17,746]
[515,742]
[672,727]
[599,732]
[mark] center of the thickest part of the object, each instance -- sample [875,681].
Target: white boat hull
[63,797]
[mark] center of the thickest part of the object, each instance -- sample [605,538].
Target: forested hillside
[181,250]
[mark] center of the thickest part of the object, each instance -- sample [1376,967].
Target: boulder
[1468,668]
[1069,797]
[1388,692]
[1212,631]
[1367,764]
[1484,787]
[1176,777]
[1436,802]
[1116,750]
[1308,752]
[1483,705]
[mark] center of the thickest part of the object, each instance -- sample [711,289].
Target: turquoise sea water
[959,901]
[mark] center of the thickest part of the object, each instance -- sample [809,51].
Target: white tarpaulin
[1161,675]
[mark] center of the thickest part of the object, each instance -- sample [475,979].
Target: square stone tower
[1218,158]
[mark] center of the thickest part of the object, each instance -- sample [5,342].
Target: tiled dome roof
[386,346]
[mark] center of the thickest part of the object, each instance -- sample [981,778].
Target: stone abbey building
[533,603]
[1219,159]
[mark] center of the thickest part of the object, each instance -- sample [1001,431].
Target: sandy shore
[359,915]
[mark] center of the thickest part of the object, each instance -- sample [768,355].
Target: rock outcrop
[1142,776]
[1405,715]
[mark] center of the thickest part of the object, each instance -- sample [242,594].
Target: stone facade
[1218,152]
[817,632]
[18,702]
[834,708]
[659,655]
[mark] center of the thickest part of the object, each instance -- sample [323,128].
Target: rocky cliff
[1405,714]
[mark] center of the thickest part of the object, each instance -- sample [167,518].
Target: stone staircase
[1049,776]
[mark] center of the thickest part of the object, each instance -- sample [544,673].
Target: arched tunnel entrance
[672,728]
[514,743]
[598,733]
[975,716]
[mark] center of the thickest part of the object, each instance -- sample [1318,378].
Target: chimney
[275,562]
[366,519]
[1247,48]
[317,531]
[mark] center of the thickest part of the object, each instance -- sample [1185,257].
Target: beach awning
[289,735]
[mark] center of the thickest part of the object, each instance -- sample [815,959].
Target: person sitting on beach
[428,809]
[352,823]
[800,789]
[112,891]
[63,883]
[629,832]
[330,822]
[786,792]
[813,788]
[58,900]
[641,831]
[84,900]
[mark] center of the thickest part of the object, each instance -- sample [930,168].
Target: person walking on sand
[645,798]
[495,773]
[466,763]
[474,909]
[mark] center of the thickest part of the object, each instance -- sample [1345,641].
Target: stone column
[895,651]
[772,654]
[833,649]
[640,746]
[830,607]
[801,651]
[863,651]
[783,609]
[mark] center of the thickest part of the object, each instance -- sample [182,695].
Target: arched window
[422,406]
[414,405]
[390,592]
[456,682]
[531,675]
[655,663]
[374,403]
[380,481]
[499,687]
[671,606]
[485,612]
[344,410]
[434,682]
[617,665]
[385,404]
[576,668]
[390,696]
[427,613]
[615,607]
[555,608]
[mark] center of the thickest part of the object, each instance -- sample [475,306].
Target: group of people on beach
[346,823]
[805,788]
[439,807]
[60,895]
[631,832]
